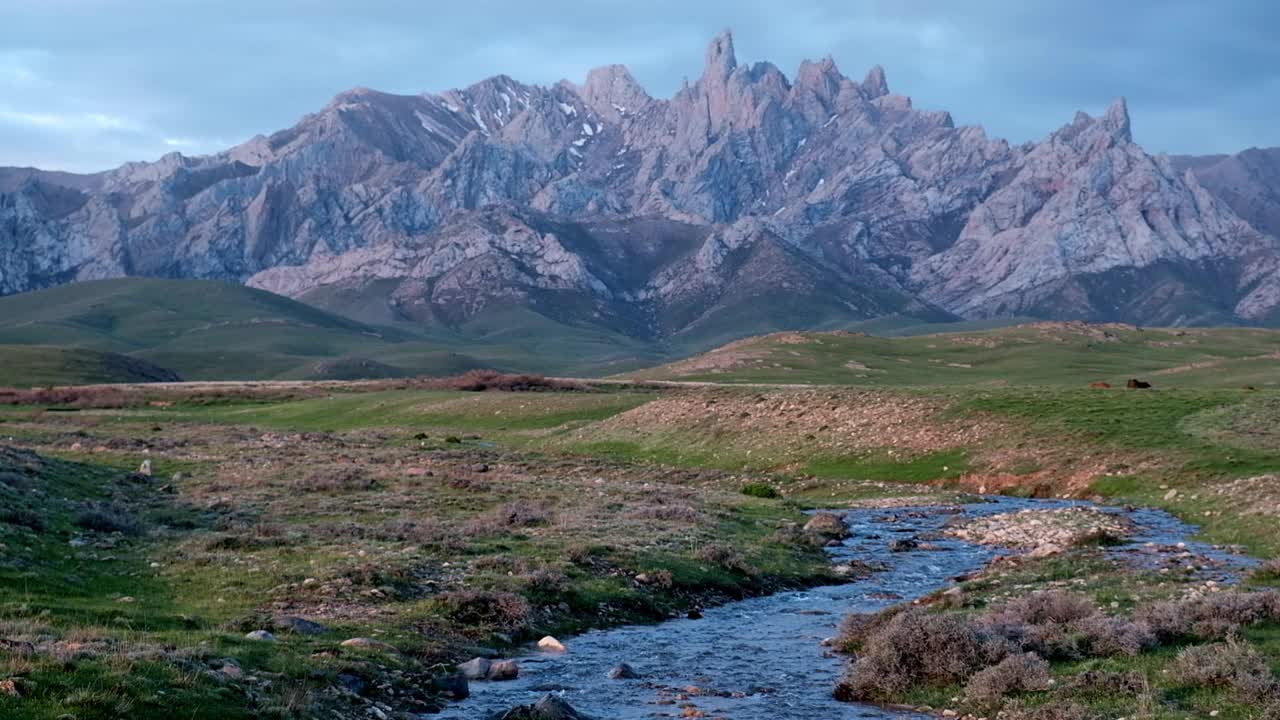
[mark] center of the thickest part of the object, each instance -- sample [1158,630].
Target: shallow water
[765,653]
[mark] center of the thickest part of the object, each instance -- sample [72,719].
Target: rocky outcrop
[749,201]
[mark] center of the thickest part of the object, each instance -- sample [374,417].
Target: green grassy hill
[205,330]
[1038,353]
[38,365]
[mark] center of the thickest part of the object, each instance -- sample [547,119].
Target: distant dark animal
[1100,385]
[1136,384]
[1250,388]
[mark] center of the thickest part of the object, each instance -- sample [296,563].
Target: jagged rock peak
[721,60]
[612,91]
[1116,120]
[874,85]
[821,74]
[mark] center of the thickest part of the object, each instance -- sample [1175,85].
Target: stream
[762,657]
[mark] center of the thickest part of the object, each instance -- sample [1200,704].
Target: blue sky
[89,84]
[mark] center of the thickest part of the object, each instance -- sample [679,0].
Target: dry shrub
[496,611]
[76,397]
[1109,682]
[1212,617]
[1018,673]
[726,558]
[547,581]
[1231,665]
[23,518]
[669,513]
[336,479]
[584,555]
[1268,571]
[1045,607]
[914,647]
[502,519]
[482,380]
[857,628]
[1060,625]
[108,517]
[414,531]
[899,648]
[419,532]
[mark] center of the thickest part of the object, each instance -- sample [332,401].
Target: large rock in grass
[364,643]
[549,707]
[300,626]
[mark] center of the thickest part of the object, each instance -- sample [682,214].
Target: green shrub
[761,490]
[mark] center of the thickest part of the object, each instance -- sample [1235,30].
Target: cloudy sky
[89,84]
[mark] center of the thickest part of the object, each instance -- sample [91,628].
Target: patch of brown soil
[818,420]
[1205,364]
[735,354]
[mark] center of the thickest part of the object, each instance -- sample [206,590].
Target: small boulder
[623,672]
[145,468]
[475,668]
[549,707]
[354,684]
[453,686]
[1046,550]
[503,670]
[827,526]
[300,626]
[262,635]
[550,644]
[363,643]
[903,545]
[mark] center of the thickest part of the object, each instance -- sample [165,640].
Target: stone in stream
[503,670]
[454,686]
[549,707]
[623,672]
[475,668]
[550,644]
[826,526]
[903,545]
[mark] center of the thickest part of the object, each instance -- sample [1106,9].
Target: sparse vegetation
[436,517]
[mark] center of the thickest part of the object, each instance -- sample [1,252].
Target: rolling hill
[39,365]
[210,330]
[1035,353]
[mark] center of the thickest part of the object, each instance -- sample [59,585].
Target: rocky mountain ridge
[749,201]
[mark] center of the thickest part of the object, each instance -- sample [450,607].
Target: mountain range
[750,201]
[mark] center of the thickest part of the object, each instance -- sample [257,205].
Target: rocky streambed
[764,658]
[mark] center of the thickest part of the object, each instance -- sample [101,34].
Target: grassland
[1033,354]
[426,520]
[445,523]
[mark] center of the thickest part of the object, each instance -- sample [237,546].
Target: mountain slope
[749,201]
